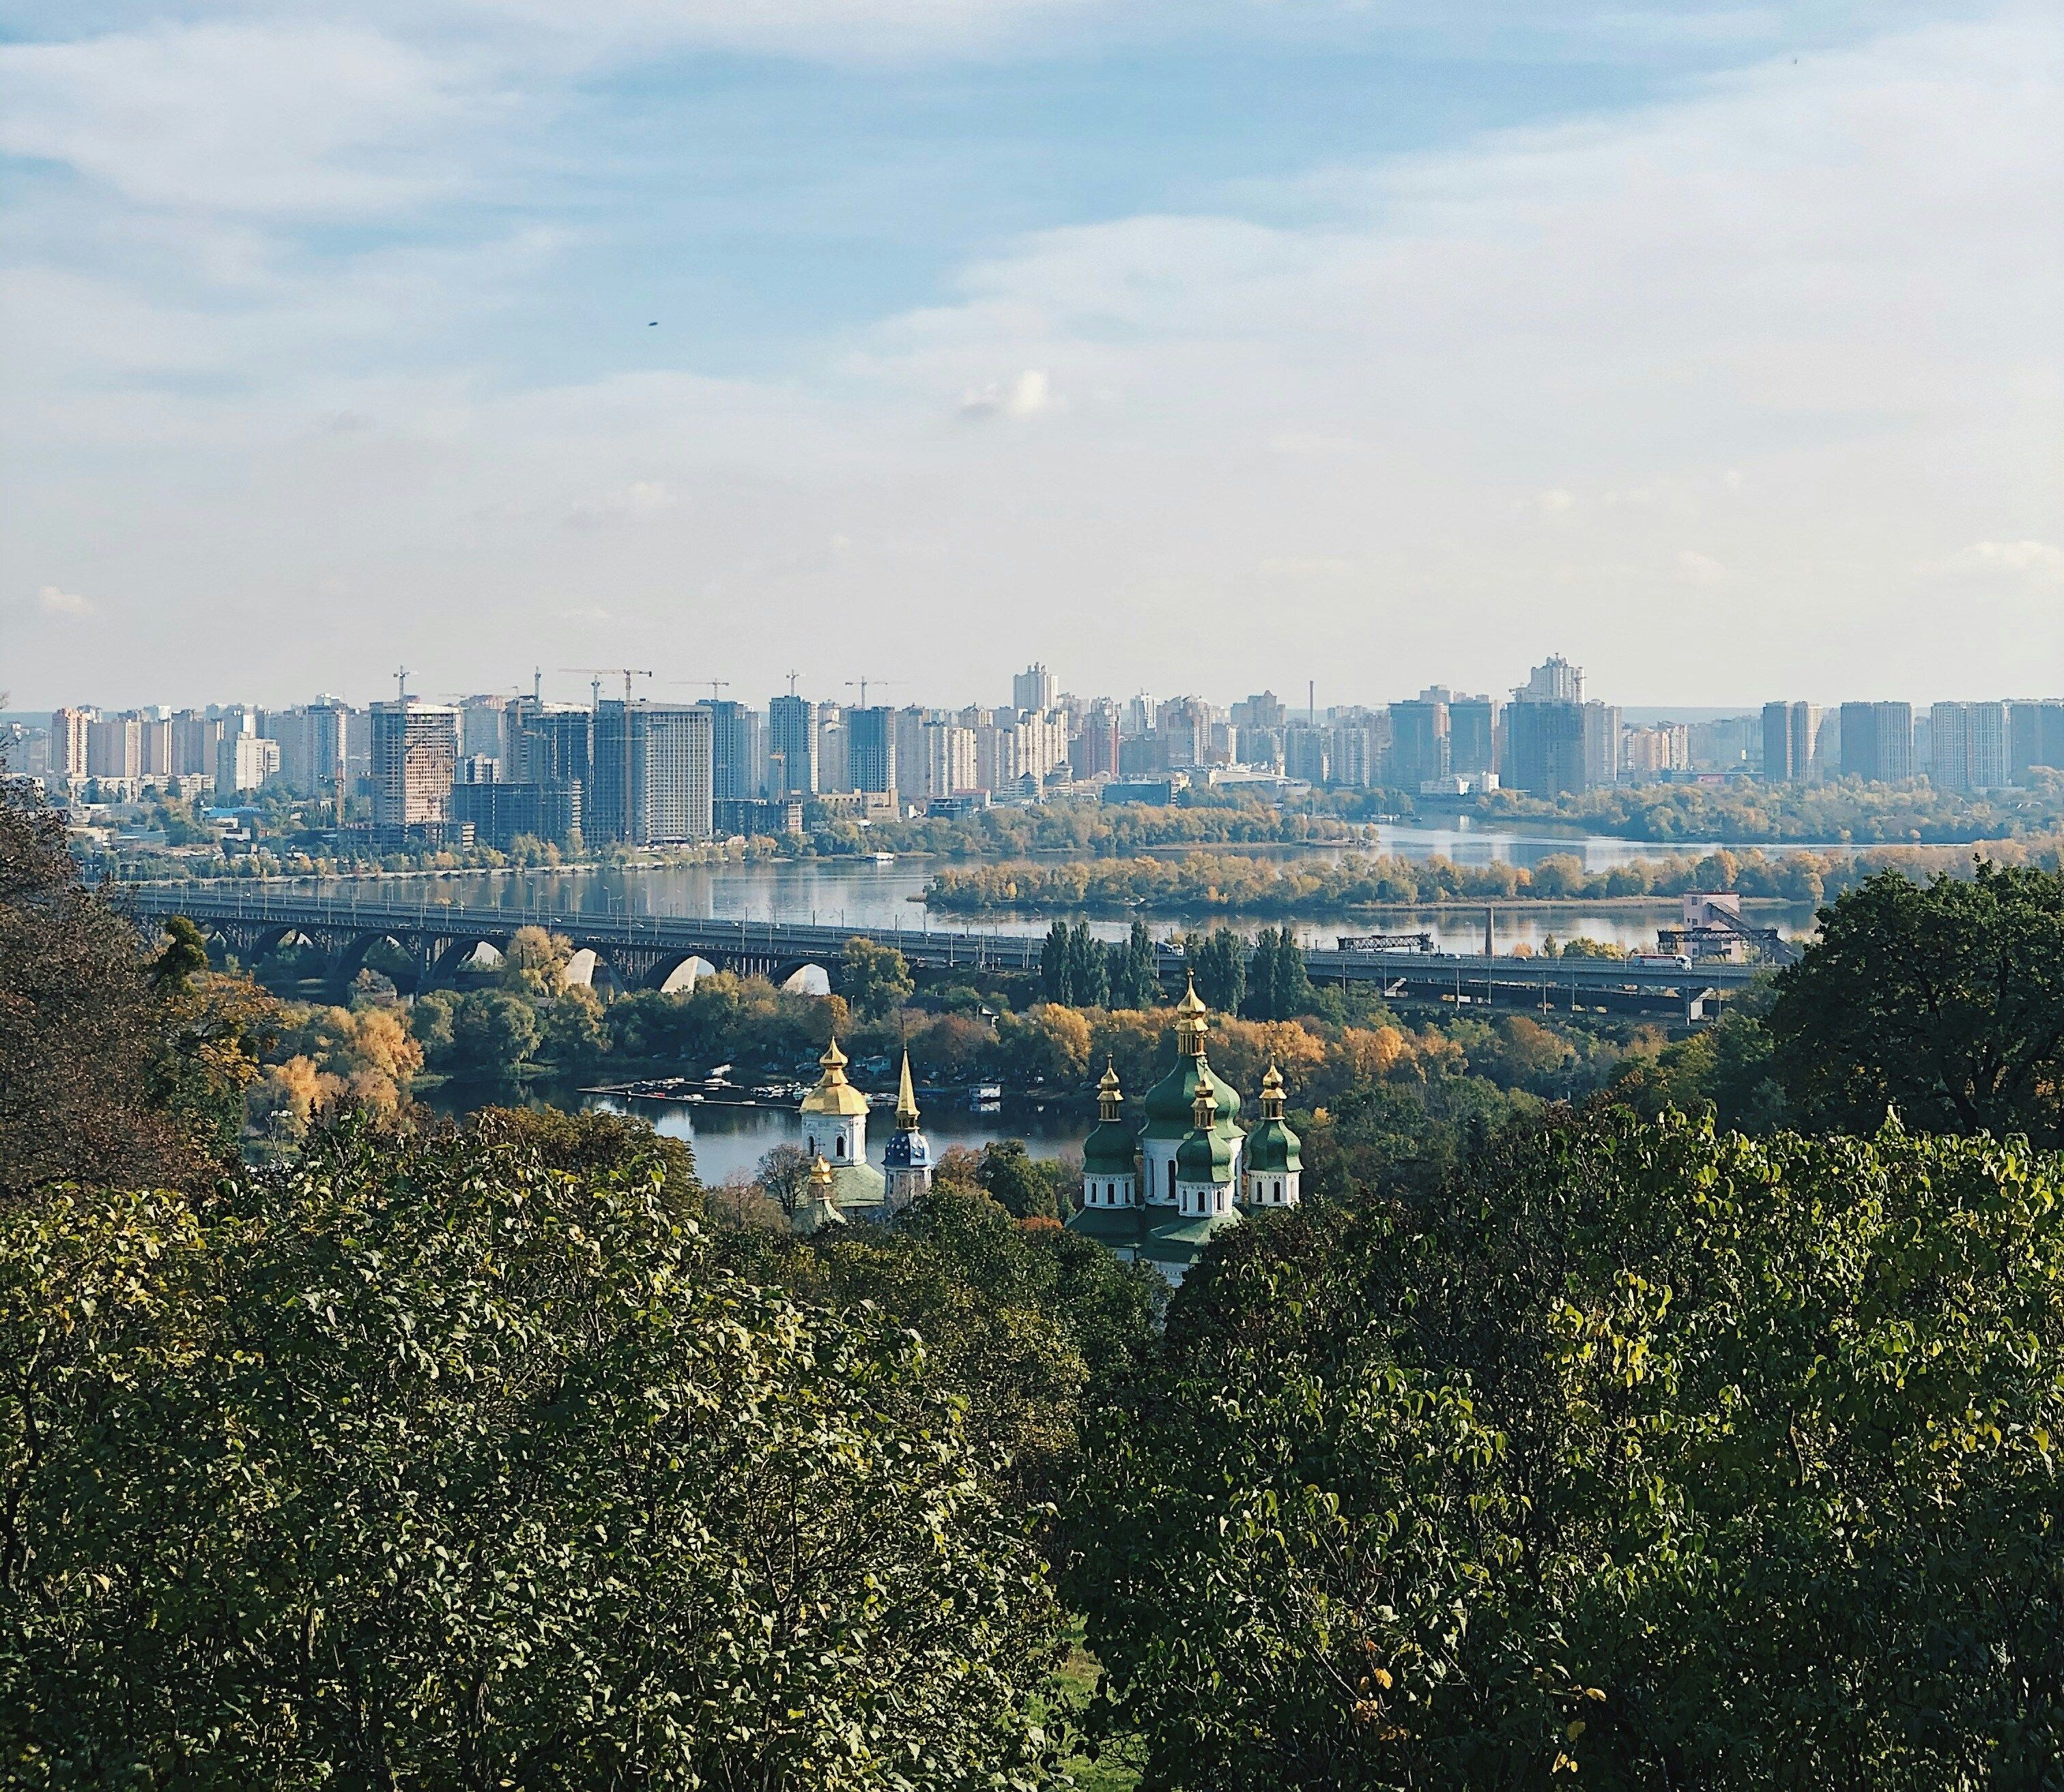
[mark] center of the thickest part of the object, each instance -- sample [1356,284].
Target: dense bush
[1655,1455]
[440,1467]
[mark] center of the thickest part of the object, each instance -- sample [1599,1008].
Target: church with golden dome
[1159,1196]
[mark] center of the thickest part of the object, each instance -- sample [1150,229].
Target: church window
[1171,1178]
[841,1145]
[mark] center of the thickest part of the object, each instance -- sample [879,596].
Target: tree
[535,964]
[1278,985]
[875,978]
[1220,963]
[1089,978]
[430,1465]
[1055,965]
[1944,1001]
[112,1069]
[494,1033]
[783,1173]
[1663,1456]
[1132,975]
[1020,1184]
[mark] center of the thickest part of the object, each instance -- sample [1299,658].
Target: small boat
[883,858]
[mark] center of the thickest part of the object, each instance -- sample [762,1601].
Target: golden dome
[833,1094]
[1108,1084]
[1191,1003]
[820,1176]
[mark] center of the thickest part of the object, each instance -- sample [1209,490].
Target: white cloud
[298,118]
[2034,560]
[641,499]
[1713,309]
[53,601]
[1026,396]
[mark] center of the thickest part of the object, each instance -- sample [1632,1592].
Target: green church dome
[1204,1157]
[1271,1147]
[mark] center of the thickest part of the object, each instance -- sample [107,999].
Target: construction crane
[628,673]
[714,685]
[864,684]
[401,684]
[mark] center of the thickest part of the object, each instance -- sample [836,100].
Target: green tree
[1944,1001]
[875,979]
[1278,985]
[1657,1455]
[431,1466]
[1023,1186]
[1056,967]
[493,1034]
[1089,978]
[1133,978]
[1220,963]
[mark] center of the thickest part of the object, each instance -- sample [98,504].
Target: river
[731,1140]
[888,898]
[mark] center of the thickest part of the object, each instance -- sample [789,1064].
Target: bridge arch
[681,975]
[802,977]
[446,957]
[351,958]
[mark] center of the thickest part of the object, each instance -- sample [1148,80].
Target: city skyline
[1719,343]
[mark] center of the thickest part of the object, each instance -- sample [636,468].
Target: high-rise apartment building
[1971,746]
[114,748]
[313,742]
[1093,752]
[738,742]
[2037,738]
[951,768]
[415,763]
[244,761]
[70,731]
[1554,681]
[1789,734]
[651,774]
[834,749]
[196,740]
[1184,725]
[911,721]
[1355,754]
[792,747]
[1305,751]
[555,742]
[1648,753]
[1474,725]
[1545,746]
[1877,742]
[1033,689]
[484,730]
[1419,742]
[1264,709]
[501,813]
[871,749]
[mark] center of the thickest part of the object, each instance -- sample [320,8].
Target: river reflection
[888,898]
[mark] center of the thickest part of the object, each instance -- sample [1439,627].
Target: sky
[1200,349]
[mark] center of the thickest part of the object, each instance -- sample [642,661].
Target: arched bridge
[640,951]
[648,952]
